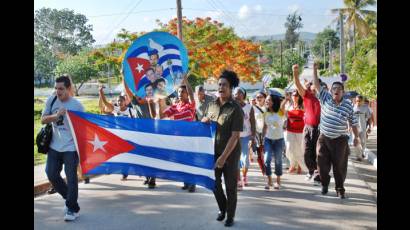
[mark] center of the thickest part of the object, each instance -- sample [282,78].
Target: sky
[248,18]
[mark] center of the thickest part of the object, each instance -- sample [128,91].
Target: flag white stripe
[169,51]
[160,164]
[143,55]
[180,143]
[175,62]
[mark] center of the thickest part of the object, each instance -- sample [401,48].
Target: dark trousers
[310,136]
[227,203]
[332,152]
[69,190]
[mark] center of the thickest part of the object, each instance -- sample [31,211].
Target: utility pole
[179,15]
[281,71]
[342,42]
[330,56]
[324,56]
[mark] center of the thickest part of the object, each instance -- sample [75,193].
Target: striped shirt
[183,111]
[334,118]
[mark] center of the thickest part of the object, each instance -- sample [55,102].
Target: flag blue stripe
[168,56]
[164,127]
[175,69]
[140,50]
[201,160]
[170,46]
[134,169]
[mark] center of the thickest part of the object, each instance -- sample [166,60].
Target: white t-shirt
[126,113]
[274,123]
[62,140]
[246,120]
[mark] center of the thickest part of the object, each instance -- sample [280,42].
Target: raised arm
[315,77]
[296,80]
[108,105]
[189,89]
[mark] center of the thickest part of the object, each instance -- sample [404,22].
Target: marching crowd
[310,125]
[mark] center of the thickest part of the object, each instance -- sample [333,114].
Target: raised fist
[295,68]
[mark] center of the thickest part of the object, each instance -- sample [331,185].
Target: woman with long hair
[294,134]
[274,137]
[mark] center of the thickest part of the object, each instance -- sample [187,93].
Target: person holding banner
[183,110]
[228,115]
[62,148]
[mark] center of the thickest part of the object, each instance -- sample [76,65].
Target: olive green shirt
[229,118]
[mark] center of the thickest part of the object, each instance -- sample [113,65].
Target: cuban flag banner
[158,59]
[174,150]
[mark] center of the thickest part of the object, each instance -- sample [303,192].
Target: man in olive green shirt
[228,115]
[202,101]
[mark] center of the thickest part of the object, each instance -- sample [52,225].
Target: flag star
[139,68]
[97,143]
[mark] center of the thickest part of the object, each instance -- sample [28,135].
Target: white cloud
[147,19]
[257,7]
[243,12]
[294,7]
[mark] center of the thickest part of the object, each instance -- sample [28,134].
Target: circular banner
[154,65]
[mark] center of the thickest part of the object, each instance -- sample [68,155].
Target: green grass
[90,105]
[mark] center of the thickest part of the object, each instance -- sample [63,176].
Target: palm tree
[356,16]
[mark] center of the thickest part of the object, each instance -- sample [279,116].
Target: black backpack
[44,136]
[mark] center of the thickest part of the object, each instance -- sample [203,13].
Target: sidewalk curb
[42,188]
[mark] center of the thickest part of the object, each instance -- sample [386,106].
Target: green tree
[362,68]
[355,14]
[293,23]
[323,38]
[279,82]
[44,64]
[80,67]
[62,31]
[289,58]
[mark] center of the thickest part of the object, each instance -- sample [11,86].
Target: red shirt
[183,111]
[295,121]
[312,109]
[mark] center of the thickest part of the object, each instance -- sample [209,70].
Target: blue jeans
[244,161]
[69,190]
[274,147]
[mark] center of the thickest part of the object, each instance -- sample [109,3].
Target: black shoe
[51,191]
[124,177]
[191,188]
[151,183]
[86,180]
[221,216]
[229,222]
[341,194]
[185,187]
[324,190]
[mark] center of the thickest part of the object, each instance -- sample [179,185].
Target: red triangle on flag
[138,67]
[95,144]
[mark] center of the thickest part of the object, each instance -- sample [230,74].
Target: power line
[126,16]
[135,12]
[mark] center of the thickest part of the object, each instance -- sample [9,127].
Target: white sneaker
[70,216]
[308,177]
[276,186]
